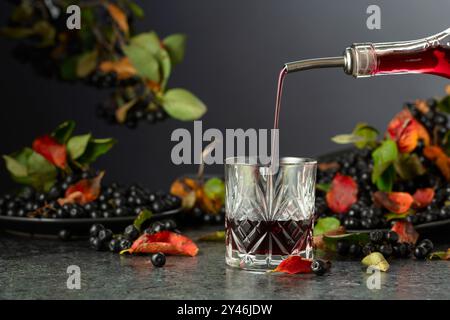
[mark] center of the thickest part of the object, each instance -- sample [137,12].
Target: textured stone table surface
[37,269]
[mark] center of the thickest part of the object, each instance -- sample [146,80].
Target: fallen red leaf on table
[166,242]
[423,197]
[84,191]
[293,265]
[405,231]
[343,193]
[396,202]
[51,150]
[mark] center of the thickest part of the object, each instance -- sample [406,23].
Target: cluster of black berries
[104,80]
[364,214]
[102,239]
[114,201]
[198,217]
[139,112]
[387,243]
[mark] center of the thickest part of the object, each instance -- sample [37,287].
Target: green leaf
[386,181]
[87,63]
[383,157]
[346,138]
[215,189]
[444,104]
[76,146]
[17,165]
[144,61]
[95,149]
[409,166]
[362,136]
[396,216]
[330,241]
[218,236]
[135,9]
[143,216]
[63,132]
[148,41]
[151,43]
[175,45]
[325,187]
[182,105]
[166,67]
[42,173]
[14,167]
[68,68]
[327,224]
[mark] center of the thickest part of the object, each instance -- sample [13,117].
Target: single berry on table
[158,259]
[420,253]
[64,235]
[97,244]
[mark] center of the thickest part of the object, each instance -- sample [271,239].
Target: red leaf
[396,202]
[166,242]
[84,191]
[423,197]
[406,131]
[343,193]
[51,150]
[293,265]
[405,231]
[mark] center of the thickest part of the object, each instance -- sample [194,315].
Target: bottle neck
[365,59]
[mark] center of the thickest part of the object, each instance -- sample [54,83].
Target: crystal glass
[268,216]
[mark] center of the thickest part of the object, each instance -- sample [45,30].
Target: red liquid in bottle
[433,60]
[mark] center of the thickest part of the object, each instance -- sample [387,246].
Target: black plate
[424,228]
[42,227]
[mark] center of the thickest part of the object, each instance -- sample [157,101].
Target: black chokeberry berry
[392,237]
[114,245]
[386,250]
[342,247]
[125,244]
[368,248]
[420,253]
[355,250]
[105,235]
[426,243]
[97,244]
[95,229]
[319,267]
[158,259]
[376,236]
[64,235]
[131,233]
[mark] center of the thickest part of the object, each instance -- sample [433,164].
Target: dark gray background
[235,50]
